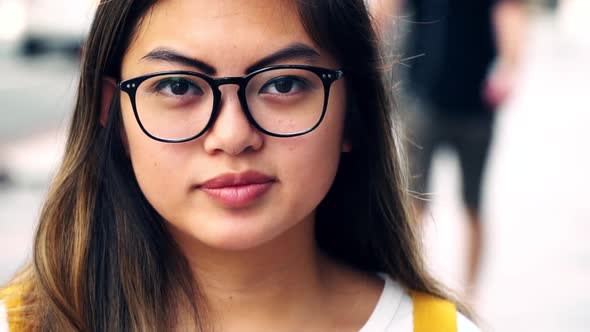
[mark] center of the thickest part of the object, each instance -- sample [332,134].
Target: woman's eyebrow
[168,55]
[295,51]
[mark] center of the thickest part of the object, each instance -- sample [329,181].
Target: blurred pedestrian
[187,204]
[4,179]
[464,59]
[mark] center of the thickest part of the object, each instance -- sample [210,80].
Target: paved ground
[537,263]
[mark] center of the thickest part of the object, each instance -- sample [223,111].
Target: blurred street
[36,93]
[36,97]
[537,217]
[536,274]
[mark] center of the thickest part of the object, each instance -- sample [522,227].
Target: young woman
[230,167]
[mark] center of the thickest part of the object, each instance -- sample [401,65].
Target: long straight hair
[103,259]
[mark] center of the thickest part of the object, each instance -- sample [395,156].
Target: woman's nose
[231,132]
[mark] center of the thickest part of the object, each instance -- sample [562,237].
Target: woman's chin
[232,241]
[239,230]
[231,236]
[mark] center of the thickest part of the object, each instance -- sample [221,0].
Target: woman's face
[233,187]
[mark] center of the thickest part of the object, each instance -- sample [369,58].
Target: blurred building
[38,26]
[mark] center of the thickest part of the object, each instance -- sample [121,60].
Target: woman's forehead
[229,34]
[221,9]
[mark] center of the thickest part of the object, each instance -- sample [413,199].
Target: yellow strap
[11,302]
[432,314]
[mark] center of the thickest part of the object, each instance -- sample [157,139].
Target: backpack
[432,314]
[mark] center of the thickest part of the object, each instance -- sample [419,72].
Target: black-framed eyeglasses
[280,101]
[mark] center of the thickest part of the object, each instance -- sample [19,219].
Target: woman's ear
[351,121]
[346,146]
[108,91]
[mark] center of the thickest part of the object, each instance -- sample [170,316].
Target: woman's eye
[284,85]
[178,87]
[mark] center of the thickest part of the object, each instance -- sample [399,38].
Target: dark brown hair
[103,259]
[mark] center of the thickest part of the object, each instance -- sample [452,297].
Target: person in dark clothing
[464,55]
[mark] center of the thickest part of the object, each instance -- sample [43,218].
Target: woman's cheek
[158,170]
[311,162]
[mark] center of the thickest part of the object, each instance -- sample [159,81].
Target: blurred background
[535,273]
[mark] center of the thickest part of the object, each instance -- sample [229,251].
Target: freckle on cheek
[293,143]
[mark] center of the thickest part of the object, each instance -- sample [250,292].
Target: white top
[393,312]
[3,318]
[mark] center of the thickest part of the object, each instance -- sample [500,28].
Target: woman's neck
[269,284]
[282,285]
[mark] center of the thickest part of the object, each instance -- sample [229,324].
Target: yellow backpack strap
[11,301]
[432,314]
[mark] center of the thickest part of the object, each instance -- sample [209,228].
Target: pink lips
[237,190]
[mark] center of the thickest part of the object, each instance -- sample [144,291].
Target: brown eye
[284,85]
[177,87]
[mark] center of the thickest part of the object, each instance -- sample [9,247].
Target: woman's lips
[237,190]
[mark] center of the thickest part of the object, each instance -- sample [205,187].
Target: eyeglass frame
[326,75]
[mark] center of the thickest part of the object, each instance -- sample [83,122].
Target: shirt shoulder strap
[433,314]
